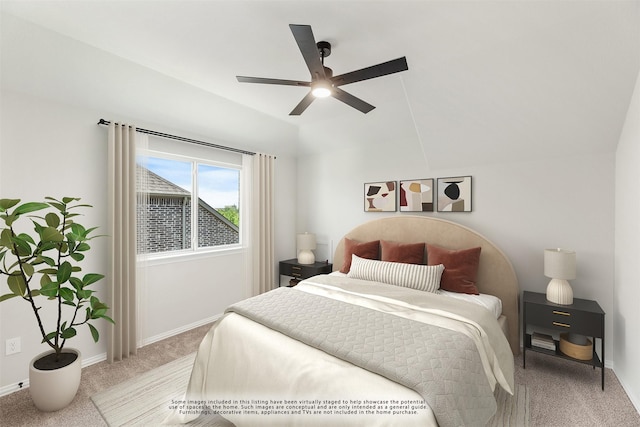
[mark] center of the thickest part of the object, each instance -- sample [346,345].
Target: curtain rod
[181,138]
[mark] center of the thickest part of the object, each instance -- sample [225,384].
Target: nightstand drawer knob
[564,325]
[295,267]
[562,313]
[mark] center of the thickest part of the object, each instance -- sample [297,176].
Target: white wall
[50,148]
[54,90]
[524,207]
[626,316]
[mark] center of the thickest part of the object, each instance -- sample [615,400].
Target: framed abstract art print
[416,195]
[454,194]
[380,196]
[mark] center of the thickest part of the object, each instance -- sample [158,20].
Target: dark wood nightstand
[584,317]
[299,272]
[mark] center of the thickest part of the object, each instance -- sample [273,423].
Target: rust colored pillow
[460,268]
[408,253]
[369,250]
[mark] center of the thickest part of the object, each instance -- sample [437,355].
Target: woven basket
[580,352]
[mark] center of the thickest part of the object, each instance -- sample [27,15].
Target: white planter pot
[55,389]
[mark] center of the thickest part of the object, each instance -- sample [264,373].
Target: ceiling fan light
[321,90]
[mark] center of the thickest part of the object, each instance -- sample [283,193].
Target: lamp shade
[560,264]
[306,242]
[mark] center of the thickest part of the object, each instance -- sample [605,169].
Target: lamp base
[559,291]
[306,257]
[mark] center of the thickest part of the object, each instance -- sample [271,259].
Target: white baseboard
[635,400]
[25,383]
[103,356]
[179,330]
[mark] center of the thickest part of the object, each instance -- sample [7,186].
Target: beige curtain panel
[122,337]
[262,223]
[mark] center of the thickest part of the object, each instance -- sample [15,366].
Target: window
[176,192]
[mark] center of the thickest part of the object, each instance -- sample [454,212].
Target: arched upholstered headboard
[495,272]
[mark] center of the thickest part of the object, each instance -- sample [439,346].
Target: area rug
[144,400]
[513,411]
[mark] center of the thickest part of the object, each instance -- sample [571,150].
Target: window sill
[189,255]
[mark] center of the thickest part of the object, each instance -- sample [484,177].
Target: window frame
[194,251]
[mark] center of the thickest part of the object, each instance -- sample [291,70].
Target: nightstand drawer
[565,320]
[303,271]
[298,271]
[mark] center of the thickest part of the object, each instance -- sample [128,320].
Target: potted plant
[41,268]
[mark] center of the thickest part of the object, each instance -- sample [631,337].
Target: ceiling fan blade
[389,67]
[302,105]
[307,44]
[244,79]
[351,100]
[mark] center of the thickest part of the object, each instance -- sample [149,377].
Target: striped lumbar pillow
[421,277]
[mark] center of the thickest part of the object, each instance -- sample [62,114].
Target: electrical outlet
[12,346]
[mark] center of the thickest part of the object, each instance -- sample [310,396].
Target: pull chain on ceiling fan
[323,83]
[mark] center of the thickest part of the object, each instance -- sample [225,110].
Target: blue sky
[219,187]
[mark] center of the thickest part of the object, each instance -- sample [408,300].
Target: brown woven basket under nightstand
[580,352]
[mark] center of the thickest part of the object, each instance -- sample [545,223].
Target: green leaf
[49,290]
[99,313]
[30,207]
[24,249]
[64,272]
[26,238]
[50,336]
[7,296]
[45,279]
[5,238]
[10,219]
[49,261]
[91,278]
[67,294]
[48,271]
[50,234]
[77,283]
[28,269]
[68,333]
[35,293]
[17,285]
[47,246]
[84,294]
[78,230]
[76,256]
[94,332]
[53,220]
[109,319]
[83,247]
[8,203]
[67,200]
[59,206]
[68,303]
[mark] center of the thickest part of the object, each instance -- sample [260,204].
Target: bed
[374,343]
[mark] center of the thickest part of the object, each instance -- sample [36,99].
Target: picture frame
[455,194]
[417,195]
[380,196]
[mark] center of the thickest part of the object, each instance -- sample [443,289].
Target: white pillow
[415,276]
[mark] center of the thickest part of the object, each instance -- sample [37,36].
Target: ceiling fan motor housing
[324,48]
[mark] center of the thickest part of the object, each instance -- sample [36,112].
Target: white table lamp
[306,244]
[560,266]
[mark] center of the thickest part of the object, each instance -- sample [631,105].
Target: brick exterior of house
[166,221]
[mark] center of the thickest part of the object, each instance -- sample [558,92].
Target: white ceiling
[487,80]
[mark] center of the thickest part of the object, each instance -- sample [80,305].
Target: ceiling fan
[323,83]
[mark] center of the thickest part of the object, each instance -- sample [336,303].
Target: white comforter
[242,361]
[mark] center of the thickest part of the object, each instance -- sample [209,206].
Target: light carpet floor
[562,393]
[155,390]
